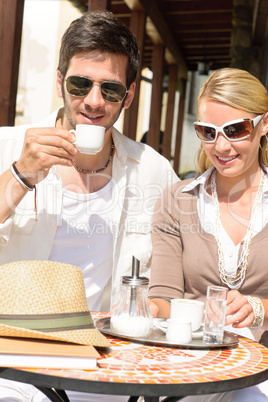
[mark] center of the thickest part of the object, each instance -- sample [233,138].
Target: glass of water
[215,314]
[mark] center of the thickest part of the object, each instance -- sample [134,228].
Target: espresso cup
[188,310]
[89,139]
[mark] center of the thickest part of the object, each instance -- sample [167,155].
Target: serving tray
[158,337]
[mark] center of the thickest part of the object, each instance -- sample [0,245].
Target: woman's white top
[207,215]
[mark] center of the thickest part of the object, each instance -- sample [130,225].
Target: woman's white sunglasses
[235,130]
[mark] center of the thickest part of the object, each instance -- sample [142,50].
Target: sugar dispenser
[132,316]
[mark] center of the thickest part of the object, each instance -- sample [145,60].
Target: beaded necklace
[98,170]
[234,281]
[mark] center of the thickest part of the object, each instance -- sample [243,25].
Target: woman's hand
[239,312]
[153,308]
[159,308]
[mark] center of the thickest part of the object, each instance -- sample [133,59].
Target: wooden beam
[264,70]
[137,26]
[153,135]
[260,22]
[94,5]
[11,16]
[172,85]
[152,10]
[179,127]
[134,5]
[199,6]
[159,31]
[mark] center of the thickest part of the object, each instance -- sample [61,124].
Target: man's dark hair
[99,30]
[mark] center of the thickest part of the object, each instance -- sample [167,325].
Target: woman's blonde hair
[240,90]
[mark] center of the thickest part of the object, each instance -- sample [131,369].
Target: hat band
[49,322]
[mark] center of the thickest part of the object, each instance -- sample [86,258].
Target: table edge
[134,389]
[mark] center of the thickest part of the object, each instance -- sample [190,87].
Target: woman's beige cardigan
[185,257]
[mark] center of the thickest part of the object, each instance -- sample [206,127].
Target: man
[53,204]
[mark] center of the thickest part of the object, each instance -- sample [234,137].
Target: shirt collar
[200,180]
[124,147]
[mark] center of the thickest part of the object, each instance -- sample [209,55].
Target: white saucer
[161,323]
[198,333]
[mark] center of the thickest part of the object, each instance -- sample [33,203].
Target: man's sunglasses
[81,86]
[235,130]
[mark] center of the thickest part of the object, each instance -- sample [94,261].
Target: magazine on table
[28,352]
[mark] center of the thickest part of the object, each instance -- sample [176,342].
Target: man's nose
[94,97]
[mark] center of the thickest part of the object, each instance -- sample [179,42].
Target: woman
[213,229]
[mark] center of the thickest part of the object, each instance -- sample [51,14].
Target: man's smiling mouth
[91,117]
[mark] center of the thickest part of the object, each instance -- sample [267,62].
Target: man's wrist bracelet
[24,183]
[19,177]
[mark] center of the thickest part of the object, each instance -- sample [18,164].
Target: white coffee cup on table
[188,310]
[178,331]
[89,139]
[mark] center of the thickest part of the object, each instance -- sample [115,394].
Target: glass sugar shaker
[132,316]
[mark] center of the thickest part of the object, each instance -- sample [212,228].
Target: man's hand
[43,148]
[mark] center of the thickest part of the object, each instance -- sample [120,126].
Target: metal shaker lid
[135,279]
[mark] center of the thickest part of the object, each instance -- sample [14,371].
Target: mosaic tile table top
[127,362]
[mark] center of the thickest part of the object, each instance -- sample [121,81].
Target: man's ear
[59,84]
[130,95]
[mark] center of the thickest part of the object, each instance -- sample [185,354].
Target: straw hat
[46,300]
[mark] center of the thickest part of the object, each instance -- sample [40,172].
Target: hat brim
[81,336]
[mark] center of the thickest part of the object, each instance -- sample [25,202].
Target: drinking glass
[215,310]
